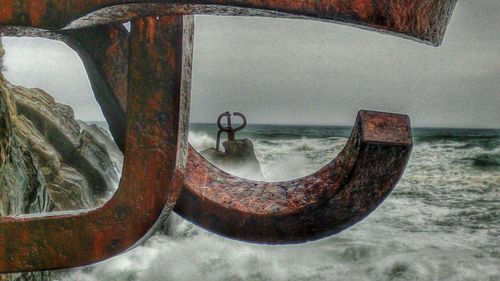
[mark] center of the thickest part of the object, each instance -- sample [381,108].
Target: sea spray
[441,223]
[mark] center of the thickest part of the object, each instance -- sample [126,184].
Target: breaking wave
[486,161]
[441,222]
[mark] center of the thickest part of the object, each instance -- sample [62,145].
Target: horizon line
[330,125]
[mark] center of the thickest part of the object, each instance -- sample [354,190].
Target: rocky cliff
[48,160]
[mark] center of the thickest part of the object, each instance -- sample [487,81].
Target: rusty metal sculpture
[231,132]
[142,79]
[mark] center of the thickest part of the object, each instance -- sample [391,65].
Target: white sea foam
[441,223]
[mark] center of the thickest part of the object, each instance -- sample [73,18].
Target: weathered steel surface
[152,175]
[424,20]
[113,46]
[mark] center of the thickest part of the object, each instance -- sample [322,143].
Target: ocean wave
[490,141]
[487,161]
[277,136]
[201,141]
[363,253]
[487,144]
[440,223]
[269,143]
[304,147]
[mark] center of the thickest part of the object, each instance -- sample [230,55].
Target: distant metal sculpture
[142,79]
[231,132]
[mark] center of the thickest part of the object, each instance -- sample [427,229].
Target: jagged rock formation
[77,166]
[48,160]
[238,158]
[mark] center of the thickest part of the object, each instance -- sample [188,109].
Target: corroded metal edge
[423,20]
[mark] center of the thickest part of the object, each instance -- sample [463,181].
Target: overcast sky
[307,72]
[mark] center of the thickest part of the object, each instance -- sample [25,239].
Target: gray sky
[307,72]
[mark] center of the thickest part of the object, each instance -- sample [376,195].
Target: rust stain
[363,8]
[7,10]
[36,10]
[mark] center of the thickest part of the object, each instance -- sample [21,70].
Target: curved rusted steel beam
[243,119]
[423,20]
[322,204]
[154,165]
[226,114]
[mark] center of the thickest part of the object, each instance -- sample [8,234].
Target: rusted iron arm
[152,175]
[316,206]
[243,118]
[226,114]
[423,20]
[98,64]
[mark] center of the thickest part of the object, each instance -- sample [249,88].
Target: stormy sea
[442,222]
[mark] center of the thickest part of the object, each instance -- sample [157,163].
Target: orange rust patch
[172,56]
[151,32]
[7,11]
[36,11]
[363,8]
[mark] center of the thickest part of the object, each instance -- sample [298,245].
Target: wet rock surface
[238,158]
[75,145]
[74,160]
